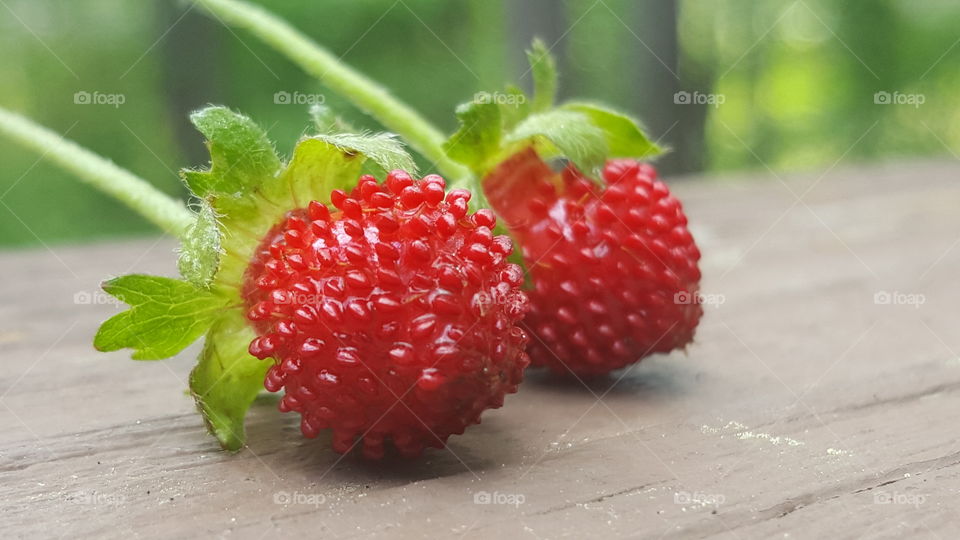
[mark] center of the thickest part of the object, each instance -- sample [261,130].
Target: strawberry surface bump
[614,269]
[393,316]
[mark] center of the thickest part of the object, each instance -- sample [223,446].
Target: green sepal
[585,134]
[241,155]
[226,379]
[624,135]
[165,316]
[544,70]
[327,122]
[383,149]
[515,107]
[200,249]
[317,168]
[560,133]
[479,136]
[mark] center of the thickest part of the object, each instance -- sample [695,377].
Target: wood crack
[595,500]
[742,519]
[882,402]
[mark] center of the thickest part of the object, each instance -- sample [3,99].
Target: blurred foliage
[797,78]
[800,79]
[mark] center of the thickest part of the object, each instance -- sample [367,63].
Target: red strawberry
[614,269]
[392,317]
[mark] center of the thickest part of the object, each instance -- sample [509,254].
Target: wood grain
[805,408]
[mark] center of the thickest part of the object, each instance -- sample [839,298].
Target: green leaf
[624,135]
[241,155]
[544,69]
[200,249]
[227,379]
[564,133]
[165,316]
[384,149]
[479,136]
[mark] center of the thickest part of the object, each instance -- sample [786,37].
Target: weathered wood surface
[805,409]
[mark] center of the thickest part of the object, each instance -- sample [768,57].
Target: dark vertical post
[545,19]
[660,73]
[191,71]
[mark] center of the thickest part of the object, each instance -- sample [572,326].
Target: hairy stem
[160,209]
[361,90]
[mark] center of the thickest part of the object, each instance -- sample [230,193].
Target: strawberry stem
[160,209]
[341,78]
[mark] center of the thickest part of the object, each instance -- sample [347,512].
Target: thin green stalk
[361,90]
[157,207]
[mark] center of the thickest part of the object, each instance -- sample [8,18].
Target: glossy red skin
[614,269]
[394,317]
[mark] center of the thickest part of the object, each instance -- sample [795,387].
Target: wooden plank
[804,408]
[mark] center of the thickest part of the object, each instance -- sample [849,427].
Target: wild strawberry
[614,268]
[392,317]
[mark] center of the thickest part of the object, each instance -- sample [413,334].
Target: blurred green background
[774,85]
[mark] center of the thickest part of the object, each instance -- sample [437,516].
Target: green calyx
[495,126]
[245,192]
